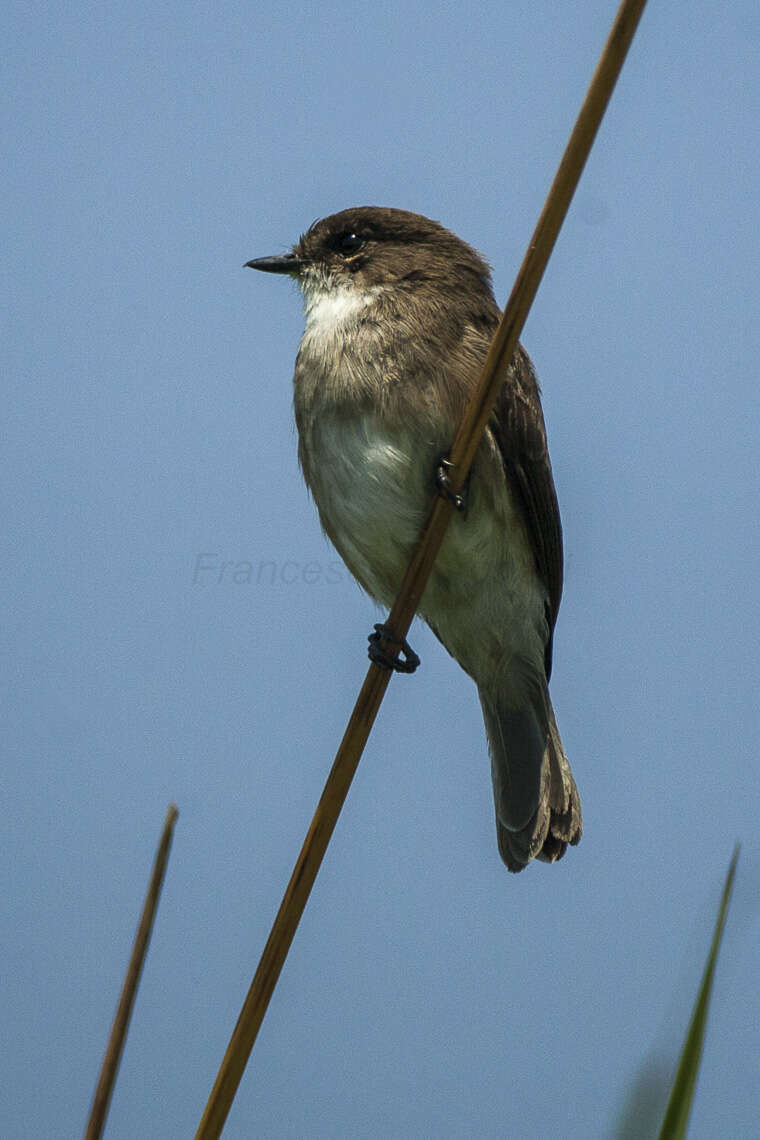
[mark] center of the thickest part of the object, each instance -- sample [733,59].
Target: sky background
[149,151]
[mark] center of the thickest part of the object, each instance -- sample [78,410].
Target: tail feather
[538,809]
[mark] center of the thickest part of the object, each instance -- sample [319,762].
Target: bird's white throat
[329,307]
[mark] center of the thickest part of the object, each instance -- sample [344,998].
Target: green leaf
[676,1120]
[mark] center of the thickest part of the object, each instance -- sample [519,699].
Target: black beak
[286,263]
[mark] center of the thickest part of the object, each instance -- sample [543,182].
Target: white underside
[483,599]
[373,490]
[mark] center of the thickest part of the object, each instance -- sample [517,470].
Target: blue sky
[150,151]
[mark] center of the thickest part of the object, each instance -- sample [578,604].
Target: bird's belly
[373,492]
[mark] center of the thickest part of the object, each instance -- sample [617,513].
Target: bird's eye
[349,243]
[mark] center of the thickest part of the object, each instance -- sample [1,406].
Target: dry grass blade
[115,1046]
[376,682]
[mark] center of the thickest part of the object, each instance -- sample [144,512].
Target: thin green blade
[676,1120]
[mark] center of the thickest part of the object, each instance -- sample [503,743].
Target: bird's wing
[518,429]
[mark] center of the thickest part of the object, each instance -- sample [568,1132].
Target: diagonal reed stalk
[400,618]
[110,1067]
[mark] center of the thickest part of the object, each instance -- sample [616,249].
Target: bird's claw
[443,483]
[387,659]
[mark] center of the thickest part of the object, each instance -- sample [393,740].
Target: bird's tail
[538,809]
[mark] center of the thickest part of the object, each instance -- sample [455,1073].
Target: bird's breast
[372,488]
[373,485]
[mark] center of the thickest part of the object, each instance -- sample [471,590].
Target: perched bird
[399,316]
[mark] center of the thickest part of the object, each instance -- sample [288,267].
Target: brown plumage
[399,316]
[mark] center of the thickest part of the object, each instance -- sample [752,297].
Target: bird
[399,314]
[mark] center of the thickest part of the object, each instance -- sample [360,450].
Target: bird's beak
[286,263]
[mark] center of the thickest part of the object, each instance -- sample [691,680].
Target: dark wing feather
[518,428]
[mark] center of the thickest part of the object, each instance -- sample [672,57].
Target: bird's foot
[387,659]
[443,483]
